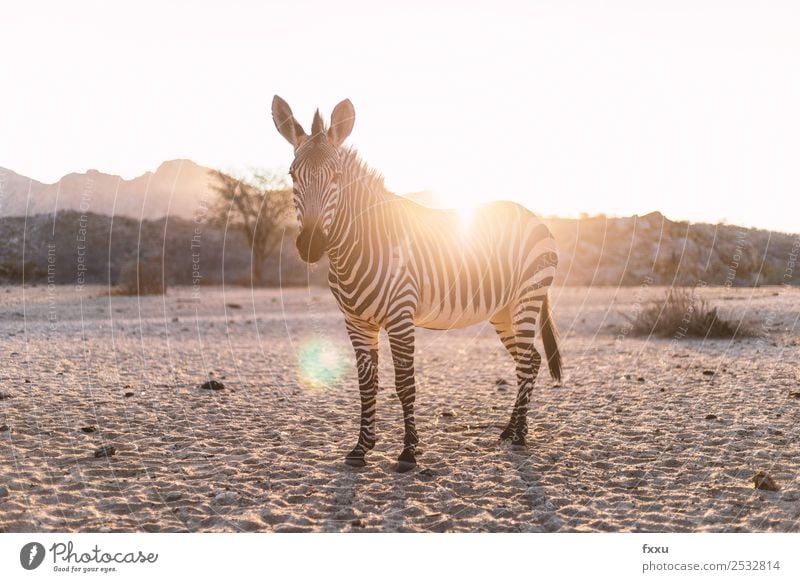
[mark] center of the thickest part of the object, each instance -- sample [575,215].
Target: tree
[259,207]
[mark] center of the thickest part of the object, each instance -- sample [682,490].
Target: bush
[143,276]
[16,273]
[683,314]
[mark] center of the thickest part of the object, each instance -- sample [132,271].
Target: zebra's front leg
[401,341]
[365,345]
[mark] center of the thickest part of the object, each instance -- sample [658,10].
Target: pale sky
[687,107]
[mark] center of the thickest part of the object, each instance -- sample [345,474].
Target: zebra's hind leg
[401,341]
[365,343]
[505,330]
[518,336]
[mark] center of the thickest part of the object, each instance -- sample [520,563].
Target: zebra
[397,265]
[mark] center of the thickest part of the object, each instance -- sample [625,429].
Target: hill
[176,188]
[154,215]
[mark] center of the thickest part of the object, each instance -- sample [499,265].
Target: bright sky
[687,107]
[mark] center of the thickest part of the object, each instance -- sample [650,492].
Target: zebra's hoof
[355,461]
[405,466]
[507,435]
[406,461]
[518,443]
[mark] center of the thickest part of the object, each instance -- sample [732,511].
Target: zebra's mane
[362,173]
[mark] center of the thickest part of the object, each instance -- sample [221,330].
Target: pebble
[88,429]
[212,385]
[173,496]
[4,492]
[4,396]
[129,394]
[711,416]
[106,451]
[448,413]
[226,497]
[4,428]
[233,305]
[708,372]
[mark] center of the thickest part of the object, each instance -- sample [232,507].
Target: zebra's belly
[441,316]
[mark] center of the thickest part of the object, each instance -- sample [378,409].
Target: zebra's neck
[362,197]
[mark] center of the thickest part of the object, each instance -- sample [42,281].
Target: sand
[640,437]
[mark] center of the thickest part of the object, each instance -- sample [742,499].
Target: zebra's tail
[550,338]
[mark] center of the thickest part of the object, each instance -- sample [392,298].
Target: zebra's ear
[342,120]
[286,123]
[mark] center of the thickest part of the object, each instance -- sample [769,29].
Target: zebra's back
[468,267]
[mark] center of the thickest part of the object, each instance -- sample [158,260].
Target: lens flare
[320,362]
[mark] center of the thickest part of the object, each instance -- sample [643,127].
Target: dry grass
[683,314]
[142,277]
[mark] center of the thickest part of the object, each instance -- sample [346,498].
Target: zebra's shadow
[446,493]
[531,467]
[369,498]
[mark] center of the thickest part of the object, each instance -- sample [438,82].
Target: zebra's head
[316,172]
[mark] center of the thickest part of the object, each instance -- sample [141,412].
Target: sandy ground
[638,438]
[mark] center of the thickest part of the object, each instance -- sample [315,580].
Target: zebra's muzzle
[311,244]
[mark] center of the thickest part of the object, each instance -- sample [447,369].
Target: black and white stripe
[396,265]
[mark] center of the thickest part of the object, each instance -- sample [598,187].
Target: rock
[501,384]
[212,385]
[4,492]
[448,413]
[106,451]
[4,428]
[711,416]
[640,379]
[233,305]
[173,496]
[4,396]
[764,481]
[129,394]
[88,429]
[708,372]
[794,394]
[427,473]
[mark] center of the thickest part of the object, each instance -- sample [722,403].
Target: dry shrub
[683,314]
[142,276]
